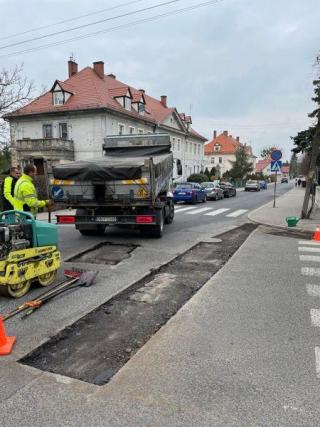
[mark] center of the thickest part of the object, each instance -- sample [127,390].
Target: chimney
[164,100]
[99,68]
[230,136]
[238,138]
[142,91]
[72,67]
[112,76]
[225,132]
[214,134]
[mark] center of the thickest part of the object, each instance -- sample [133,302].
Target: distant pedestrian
[299,182]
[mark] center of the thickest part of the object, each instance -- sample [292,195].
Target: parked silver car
[252,186]
[212,190]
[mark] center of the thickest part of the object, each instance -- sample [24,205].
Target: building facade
[220,152]
[70,122]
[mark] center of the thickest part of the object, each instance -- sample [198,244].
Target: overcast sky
[240,65]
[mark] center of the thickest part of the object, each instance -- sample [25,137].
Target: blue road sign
[276,166]
[276,155]
[57,192]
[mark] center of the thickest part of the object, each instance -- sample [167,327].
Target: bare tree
[15,91]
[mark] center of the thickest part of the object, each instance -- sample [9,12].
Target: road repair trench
[96,346]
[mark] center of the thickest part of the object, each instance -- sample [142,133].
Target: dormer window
[127,103]
[58,98]
[60,93]
[217,147]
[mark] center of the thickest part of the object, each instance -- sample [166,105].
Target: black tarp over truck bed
[121,162]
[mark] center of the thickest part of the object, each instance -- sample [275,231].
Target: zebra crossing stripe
[185,209]
[217,212]
[309,242]
[199,211]
[237,213]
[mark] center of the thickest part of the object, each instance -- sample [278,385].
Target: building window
[179,145]
[63,131]
[212,160]
[120,129]
[141,107]
[131,130]
[140,130]
[195,149]
[220,159]
[127,103]
[47,131]
[217,147]
[58,98]
[174,144]
[199,149]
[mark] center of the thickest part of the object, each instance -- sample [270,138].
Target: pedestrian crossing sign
[276,166]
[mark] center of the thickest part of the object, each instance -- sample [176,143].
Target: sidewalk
[289,204]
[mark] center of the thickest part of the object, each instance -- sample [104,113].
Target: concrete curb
[269,224]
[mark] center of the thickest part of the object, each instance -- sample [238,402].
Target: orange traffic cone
[6,343]
[316,234]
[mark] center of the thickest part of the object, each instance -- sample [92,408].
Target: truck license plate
[106,219]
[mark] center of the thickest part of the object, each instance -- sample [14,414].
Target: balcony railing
[44,145]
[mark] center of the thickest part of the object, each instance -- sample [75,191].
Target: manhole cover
[104,253]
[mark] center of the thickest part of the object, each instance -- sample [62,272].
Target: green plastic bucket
[292,221]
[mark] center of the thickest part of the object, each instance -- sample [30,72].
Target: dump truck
[129,186]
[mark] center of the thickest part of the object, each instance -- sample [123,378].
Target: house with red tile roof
[220,152]
[71,120]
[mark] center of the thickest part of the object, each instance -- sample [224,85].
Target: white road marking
[310,271]
[312,258]
[237,213]
[315,317]
[306,249]
[217,212]
[185,209]
[199,211]
[317,354]
[313,290]
[309,242]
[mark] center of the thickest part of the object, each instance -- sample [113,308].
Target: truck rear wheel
[170,216]
[155,231]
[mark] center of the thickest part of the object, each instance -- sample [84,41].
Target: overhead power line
[31,30]
[119,27]
[123,15]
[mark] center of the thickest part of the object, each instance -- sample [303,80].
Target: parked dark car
[191,192]
[284,180]
[252,186]
[212,190]
[263,185]
[229,189]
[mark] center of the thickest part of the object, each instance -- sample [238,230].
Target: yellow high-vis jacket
[8,191]
[25,196]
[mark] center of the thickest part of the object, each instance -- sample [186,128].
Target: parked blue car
[189,192]
[263,185]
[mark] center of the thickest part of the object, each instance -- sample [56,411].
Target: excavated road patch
[95,347]
[104,253]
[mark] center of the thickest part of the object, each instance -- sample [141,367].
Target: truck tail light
[144,219]
[66,219]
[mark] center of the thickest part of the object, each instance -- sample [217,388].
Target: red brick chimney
[214,134]
[164,100]
[225,132]
[72,67]
[99,68]
[238,138]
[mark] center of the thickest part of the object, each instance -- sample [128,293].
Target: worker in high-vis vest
[25,194]
[8,189]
